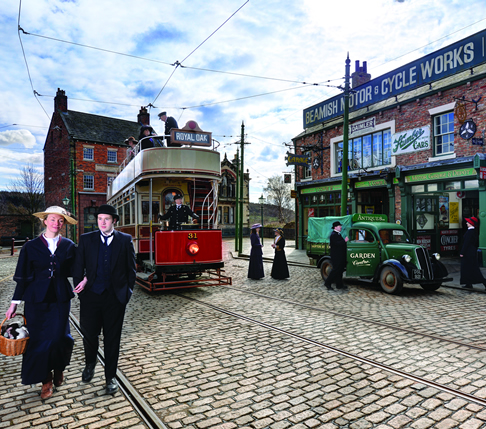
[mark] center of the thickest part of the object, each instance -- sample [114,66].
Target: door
[363,253]
[425,221]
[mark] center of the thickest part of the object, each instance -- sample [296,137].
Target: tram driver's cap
[337,223]
[109,210]
[178,197]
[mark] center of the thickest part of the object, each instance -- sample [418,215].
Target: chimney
[60,101]
[360,75]
[143,116]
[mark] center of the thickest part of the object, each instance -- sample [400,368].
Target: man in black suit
[105,269]
[338,257]
[178,214]
[170,123]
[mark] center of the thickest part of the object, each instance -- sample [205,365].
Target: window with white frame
[88,154]
[368,151]
[111,155]
[444,133]
[88,181]
[308,169]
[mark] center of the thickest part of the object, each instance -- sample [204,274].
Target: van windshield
[394,236]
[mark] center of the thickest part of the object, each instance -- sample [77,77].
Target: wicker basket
[10,347]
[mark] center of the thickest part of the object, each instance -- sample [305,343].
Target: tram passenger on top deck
[131,150]
[146,140]
[178,214]
[170,123]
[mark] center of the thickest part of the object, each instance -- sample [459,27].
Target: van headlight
[436,256]
[407,258]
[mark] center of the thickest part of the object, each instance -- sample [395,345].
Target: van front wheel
[390,280]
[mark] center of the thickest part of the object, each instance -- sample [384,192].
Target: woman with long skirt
[41,275]
[255,270]
[470,272]
[280,269]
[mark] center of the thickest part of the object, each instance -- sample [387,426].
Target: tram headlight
[407,258]
[192,248]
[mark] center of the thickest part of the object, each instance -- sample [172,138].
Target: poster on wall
[370,209]
[449,240]
[425,241]
[310,213]
[453,212]
[444,211]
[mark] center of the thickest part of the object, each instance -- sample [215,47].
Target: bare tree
[278,193]
[28,189]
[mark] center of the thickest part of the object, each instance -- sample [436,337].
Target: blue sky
[276,44]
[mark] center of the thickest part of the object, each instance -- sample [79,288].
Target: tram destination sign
[192,138]
[460,56]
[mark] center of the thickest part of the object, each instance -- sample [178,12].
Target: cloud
[23,137]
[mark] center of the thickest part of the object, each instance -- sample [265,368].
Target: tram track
[140,406]
[407,375]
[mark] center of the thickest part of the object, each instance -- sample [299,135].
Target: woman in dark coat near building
[470,272]
[280,269]
[255,270]
[41,275]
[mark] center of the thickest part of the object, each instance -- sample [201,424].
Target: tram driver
[178,214]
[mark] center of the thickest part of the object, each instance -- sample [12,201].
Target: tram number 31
[192,235]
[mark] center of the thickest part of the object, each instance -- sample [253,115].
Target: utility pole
[242,179]
[237,204]
[344,168]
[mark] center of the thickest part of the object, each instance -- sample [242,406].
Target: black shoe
[111,386]
[329,287]
[88,372]
[467,287]
[344,287]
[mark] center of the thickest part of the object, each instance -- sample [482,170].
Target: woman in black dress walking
[280,270]
[470,272]
[255,270]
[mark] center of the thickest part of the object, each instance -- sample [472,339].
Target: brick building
[412,150]
[82,154]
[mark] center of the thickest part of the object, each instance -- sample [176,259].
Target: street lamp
[261,200]
[65,201]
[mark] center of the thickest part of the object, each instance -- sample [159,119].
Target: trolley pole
[242,179]
[344,168]
[237,202]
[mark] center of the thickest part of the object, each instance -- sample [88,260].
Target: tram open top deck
[155,162]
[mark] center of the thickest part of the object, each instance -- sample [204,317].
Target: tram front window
[146,211]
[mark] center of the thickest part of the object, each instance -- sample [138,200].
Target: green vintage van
[378,251]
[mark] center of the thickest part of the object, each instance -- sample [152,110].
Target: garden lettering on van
[360,259]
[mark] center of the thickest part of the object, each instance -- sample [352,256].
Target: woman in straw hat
[255,269]
[42,270]
[280,269]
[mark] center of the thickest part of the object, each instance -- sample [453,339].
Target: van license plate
[418,274]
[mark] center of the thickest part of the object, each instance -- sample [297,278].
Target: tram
[191,255]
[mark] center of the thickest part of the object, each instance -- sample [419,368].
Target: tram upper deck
[188,162]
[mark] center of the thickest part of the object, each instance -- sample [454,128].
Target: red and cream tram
[145,187]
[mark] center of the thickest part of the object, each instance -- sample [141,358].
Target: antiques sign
[411,140]
[445,62]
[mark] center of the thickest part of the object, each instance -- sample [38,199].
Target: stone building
[415,148]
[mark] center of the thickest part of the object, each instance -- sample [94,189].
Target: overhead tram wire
[177,63]
[26,64]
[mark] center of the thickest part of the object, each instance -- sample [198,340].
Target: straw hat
[59,211]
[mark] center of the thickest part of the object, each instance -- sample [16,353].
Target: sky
[221,63]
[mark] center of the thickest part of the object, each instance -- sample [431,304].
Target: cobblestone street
[276,354]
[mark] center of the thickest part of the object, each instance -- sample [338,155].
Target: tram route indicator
[192,138]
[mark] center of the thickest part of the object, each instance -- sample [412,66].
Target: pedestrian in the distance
[255,270]
[105,267]
[280,269]
[41,275]
[338,257]
[470,272]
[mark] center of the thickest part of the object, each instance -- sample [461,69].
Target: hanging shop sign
[411,140]
[460,111]
[468,129]
[302,160]
[460,56]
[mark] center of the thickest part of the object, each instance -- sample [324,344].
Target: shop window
[444,133]
[471,184]
[88,182]
[371,150]
[418,188]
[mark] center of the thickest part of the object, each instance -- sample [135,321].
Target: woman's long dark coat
[43,285]
[470,272]
[255,270]
[280,269]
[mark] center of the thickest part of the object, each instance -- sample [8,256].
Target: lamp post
[261,200]
[65,201]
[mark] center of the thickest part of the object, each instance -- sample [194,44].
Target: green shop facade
[431,201]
